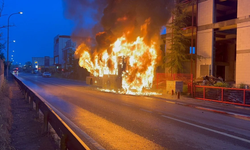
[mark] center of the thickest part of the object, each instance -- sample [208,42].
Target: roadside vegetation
[222,84]
[5,117]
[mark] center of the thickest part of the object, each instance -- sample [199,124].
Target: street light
[8,42]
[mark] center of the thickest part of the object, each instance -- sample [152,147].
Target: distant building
[42,64]
[68,54]
[59,44]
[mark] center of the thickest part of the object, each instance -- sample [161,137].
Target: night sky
[35,29]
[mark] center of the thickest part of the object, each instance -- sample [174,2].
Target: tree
[179,44]
[28,66]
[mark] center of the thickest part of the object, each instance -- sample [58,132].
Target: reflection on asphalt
[53,100]
[136,122]
[103,130]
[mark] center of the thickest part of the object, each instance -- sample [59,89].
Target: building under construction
[220,33]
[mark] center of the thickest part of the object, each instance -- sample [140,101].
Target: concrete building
[59,45]
[42,64]
[221,33]
[68,54]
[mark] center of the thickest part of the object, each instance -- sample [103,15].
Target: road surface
[113,121]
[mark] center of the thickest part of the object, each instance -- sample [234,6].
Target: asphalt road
[113,121]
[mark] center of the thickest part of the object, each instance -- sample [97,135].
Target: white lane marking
[145,110]
[208,129]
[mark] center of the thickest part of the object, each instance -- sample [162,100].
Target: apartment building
[221,35]
[68,54]
[59,44]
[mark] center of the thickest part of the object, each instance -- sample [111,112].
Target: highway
[113,121]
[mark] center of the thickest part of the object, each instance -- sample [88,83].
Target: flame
[122,19]
[137,60]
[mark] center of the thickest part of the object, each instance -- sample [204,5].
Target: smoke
[140,17]
[86,15]
[106,20]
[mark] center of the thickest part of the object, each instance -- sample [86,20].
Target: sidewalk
[216,107]
[242,112]
[223,108]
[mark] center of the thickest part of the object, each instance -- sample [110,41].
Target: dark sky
[35,29]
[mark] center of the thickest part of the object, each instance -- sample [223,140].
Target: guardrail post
[194,90]
[45,121]
[222,94]
[63,142]
[204,93]
[192,94]
[24,90]
[37,109]
[25,95]
[244,96]
[19,86]
[28,95]
[30,99]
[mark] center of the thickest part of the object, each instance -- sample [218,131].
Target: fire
[136,61]
[122,19]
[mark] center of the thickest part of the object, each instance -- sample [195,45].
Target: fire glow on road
[108,132]
[102,117]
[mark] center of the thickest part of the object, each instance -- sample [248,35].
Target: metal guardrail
[223,95]
[69,140]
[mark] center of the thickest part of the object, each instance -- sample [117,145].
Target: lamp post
[8,30]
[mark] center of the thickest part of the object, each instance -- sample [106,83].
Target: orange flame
[122,19]
[137,59]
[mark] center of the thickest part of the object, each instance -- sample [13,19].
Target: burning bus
[126,50]
[126,68]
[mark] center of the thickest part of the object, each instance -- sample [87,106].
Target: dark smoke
[84,12]
[115,18]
